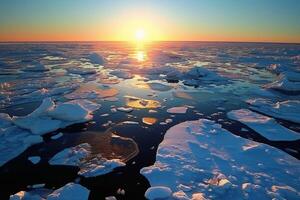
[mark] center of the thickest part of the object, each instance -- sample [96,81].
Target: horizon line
[130,41]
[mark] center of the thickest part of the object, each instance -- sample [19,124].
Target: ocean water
[153,71]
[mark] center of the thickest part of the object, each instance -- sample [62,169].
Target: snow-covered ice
[81,156]
[266,126]
[177,110]
[288,110]
[199,157]
[70,191]
[72,156]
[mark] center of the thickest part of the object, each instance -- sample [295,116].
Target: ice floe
[70,191]
[19,133]
[34,159]
[96,58]
[55,137]
[159,86]
[288,110]
[72,156]
[266,126]
[198,159]
[80,156]
[158,192]
[287,81]
[122,74]
[198,75]
[49,116]
[14,141]
[124,109]
[177,110]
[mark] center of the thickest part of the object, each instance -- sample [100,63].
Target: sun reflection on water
[140,56]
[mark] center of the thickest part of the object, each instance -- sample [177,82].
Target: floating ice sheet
[198,158]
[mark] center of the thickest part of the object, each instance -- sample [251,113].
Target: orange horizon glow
[57,21]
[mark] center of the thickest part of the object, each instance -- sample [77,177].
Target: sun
[140,35]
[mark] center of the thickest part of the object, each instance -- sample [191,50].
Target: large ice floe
[81,156]
[266,126]
[201,159]
[20,132]
[70,191]
[288,110]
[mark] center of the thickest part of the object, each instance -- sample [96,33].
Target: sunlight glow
[140,35]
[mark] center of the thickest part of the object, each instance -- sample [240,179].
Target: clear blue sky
[233,20]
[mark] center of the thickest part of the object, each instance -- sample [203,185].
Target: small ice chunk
[123,109]
[158,192]
[96,58]
[122,74]
[34,159]
[99,166]
[23,195]
[159,87]
[110,198]
[55,137]
[177,110]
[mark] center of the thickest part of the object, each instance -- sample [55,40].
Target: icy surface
[72,156]
[158,192]
[13,141]
[80,156]
[177,110]
[263,125]
[49,116]
[70,191]
[34,159]
[288,110]
[199,158]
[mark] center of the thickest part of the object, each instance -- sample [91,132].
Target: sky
[166,20]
